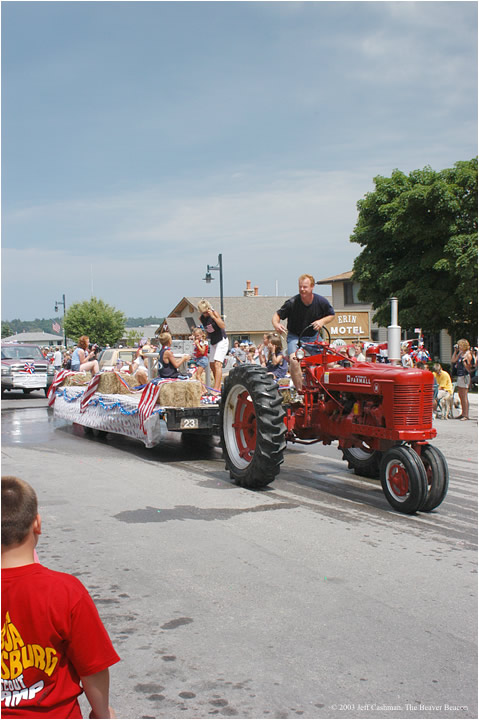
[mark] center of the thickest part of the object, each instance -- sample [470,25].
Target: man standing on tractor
[302,311]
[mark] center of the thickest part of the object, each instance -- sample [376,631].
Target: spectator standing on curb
[54,645]
[57,360]
[462,361]
[238,353]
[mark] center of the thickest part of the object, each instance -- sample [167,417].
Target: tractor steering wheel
[322,336]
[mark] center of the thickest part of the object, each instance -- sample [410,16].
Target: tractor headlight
[300,353]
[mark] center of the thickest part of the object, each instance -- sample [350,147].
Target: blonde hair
[165,338]
[199,332]
[463,345]
[309,277]
[204,306]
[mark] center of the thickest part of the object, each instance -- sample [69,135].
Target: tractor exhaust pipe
[394,334]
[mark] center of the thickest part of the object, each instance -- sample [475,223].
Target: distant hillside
[46,324]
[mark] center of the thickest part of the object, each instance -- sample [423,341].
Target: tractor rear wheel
[363,460]
[252,426]
[437,473]
[403,479]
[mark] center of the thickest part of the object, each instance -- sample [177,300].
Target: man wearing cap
[303,310]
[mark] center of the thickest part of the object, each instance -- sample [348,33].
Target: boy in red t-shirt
[52,636]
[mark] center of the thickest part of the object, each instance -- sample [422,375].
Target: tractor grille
[413,405]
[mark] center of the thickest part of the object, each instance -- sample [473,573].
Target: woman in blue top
[82,360]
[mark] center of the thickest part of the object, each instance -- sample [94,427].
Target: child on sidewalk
[54,644]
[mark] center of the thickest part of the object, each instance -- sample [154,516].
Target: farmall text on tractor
[380,414]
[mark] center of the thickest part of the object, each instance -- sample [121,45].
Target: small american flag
[57,380]
[91,389]
[148,399]
[56,327]
[29,368]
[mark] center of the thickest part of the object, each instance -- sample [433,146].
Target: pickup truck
[25,368]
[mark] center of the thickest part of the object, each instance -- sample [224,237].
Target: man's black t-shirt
[300,315]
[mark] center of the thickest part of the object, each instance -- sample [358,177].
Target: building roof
[336,278]
[243,315]
[177,325]
[34,338]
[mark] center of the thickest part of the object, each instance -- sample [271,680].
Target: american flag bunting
[91,389]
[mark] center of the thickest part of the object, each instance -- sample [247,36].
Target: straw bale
[79,378]
[180,393]
[110,383]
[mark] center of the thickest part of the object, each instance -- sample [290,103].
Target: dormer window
[351,290]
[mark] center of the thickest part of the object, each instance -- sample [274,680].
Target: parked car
[25,368]
[110,357]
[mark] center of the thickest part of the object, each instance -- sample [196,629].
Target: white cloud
[270,232]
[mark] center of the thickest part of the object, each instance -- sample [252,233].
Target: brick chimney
[248,292]
[256,291]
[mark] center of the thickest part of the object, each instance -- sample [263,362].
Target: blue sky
[142,139]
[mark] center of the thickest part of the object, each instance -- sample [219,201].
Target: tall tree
[101,322]
[419,234]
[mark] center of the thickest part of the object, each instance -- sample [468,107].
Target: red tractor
[380,414]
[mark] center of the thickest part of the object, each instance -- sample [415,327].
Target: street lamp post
[62,302]
[208,279]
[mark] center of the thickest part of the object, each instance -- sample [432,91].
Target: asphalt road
[311,599]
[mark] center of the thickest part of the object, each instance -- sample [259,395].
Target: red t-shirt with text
[51,635]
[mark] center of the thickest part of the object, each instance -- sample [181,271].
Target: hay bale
[180,393]
[110,383]
[286,395]
[79,378]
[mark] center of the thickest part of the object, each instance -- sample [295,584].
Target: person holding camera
[462,363]
[215,329]
[84,360]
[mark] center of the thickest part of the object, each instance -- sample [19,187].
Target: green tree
[419,234]
[101,322]
[133,337]
[6,330]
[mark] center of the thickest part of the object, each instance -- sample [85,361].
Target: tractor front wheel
[403,479]
[437,473]
[252,426]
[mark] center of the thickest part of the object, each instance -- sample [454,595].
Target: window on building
[351,290]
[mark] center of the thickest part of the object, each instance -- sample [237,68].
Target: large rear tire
[403,479]
[437,473]
[252,426]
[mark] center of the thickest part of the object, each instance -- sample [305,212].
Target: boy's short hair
[19,509]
